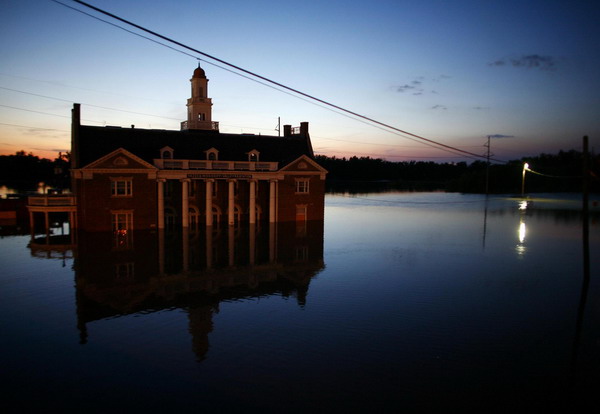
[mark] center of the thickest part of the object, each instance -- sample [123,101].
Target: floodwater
[398,302]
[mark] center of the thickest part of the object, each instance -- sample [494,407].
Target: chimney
[304,128]
[75,123]
[287,130]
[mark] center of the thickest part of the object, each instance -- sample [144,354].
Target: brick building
[135,179]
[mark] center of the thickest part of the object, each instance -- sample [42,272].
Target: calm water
[398,302]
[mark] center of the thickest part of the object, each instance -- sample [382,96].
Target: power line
[255,80]
[31,127]
[380,143]
[46,113]
[102,107]
[63,85]
[280,85]
[384,156]
[90,105]
[551,176]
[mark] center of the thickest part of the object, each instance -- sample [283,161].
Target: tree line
[562,172]
[23,171]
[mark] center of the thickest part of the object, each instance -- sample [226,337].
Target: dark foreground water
[398,302]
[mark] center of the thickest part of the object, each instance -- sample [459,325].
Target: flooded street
[397,302]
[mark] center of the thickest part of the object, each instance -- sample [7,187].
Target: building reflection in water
[128,272]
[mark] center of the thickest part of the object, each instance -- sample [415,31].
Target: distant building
[134,179]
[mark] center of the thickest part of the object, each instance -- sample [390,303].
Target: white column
[252,244]
[209,250]
[47,221]
[272,243]
[231,203]
[185,241]
[161,203]
[161,252]
[231,245]
[252,207]
[72,226]
[185,207]
[209,191]
[272,201]
[32,225]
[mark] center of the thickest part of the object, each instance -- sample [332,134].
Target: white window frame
[302,186]
[122,220]
[121,186]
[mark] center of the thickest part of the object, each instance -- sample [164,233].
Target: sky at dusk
[524,72]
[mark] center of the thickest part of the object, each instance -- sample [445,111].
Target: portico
[234,202]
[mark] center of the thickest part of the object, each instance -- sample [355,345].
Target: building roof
[95,142]
[199,73]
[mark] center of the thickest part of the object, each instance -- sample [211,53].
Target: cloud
[501,136]
[418,86]
[481,108]
[406,87]
[548,63]
[444,107]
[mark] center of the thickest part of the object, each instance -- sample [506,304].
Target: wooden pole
[585,210]
[586,263]
[487,168]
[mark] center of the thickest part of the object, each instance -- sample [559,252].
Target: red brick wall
[95,202]
[288,199]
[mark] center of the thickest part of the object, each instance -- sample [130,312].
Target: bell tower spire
[199,112]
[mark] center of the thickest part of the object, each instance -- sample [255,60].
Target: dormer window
[166,153]
[212,154]
[253,156]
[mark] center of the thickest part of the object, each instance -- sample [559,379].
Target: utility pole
[586,262]
[487,169]
[585,209]
[278,129]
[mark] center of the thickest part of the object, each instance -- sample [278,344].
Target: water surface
[397,302]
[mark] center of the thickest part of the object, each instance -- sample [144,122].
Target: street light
[525,168]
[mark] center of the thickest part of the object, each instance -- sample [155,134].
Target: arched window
[216,215]
[212,154]
[170,218]
[166,153]
[253,155]
[237,215]
[193,215]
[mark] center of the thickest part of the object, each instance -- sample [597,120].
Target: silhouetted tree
[561,172]
[24,170]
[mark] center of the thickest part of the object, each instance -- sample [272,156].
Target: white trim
[93,165]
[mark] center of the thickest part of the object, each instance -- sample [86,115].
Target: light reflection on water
[400,302]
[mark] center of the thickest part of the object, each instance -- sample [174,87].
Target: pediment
[120,159]
[304,164]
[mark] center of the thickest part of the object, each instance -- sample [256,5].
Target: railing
[51,200]
[206,125]
[215,165]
